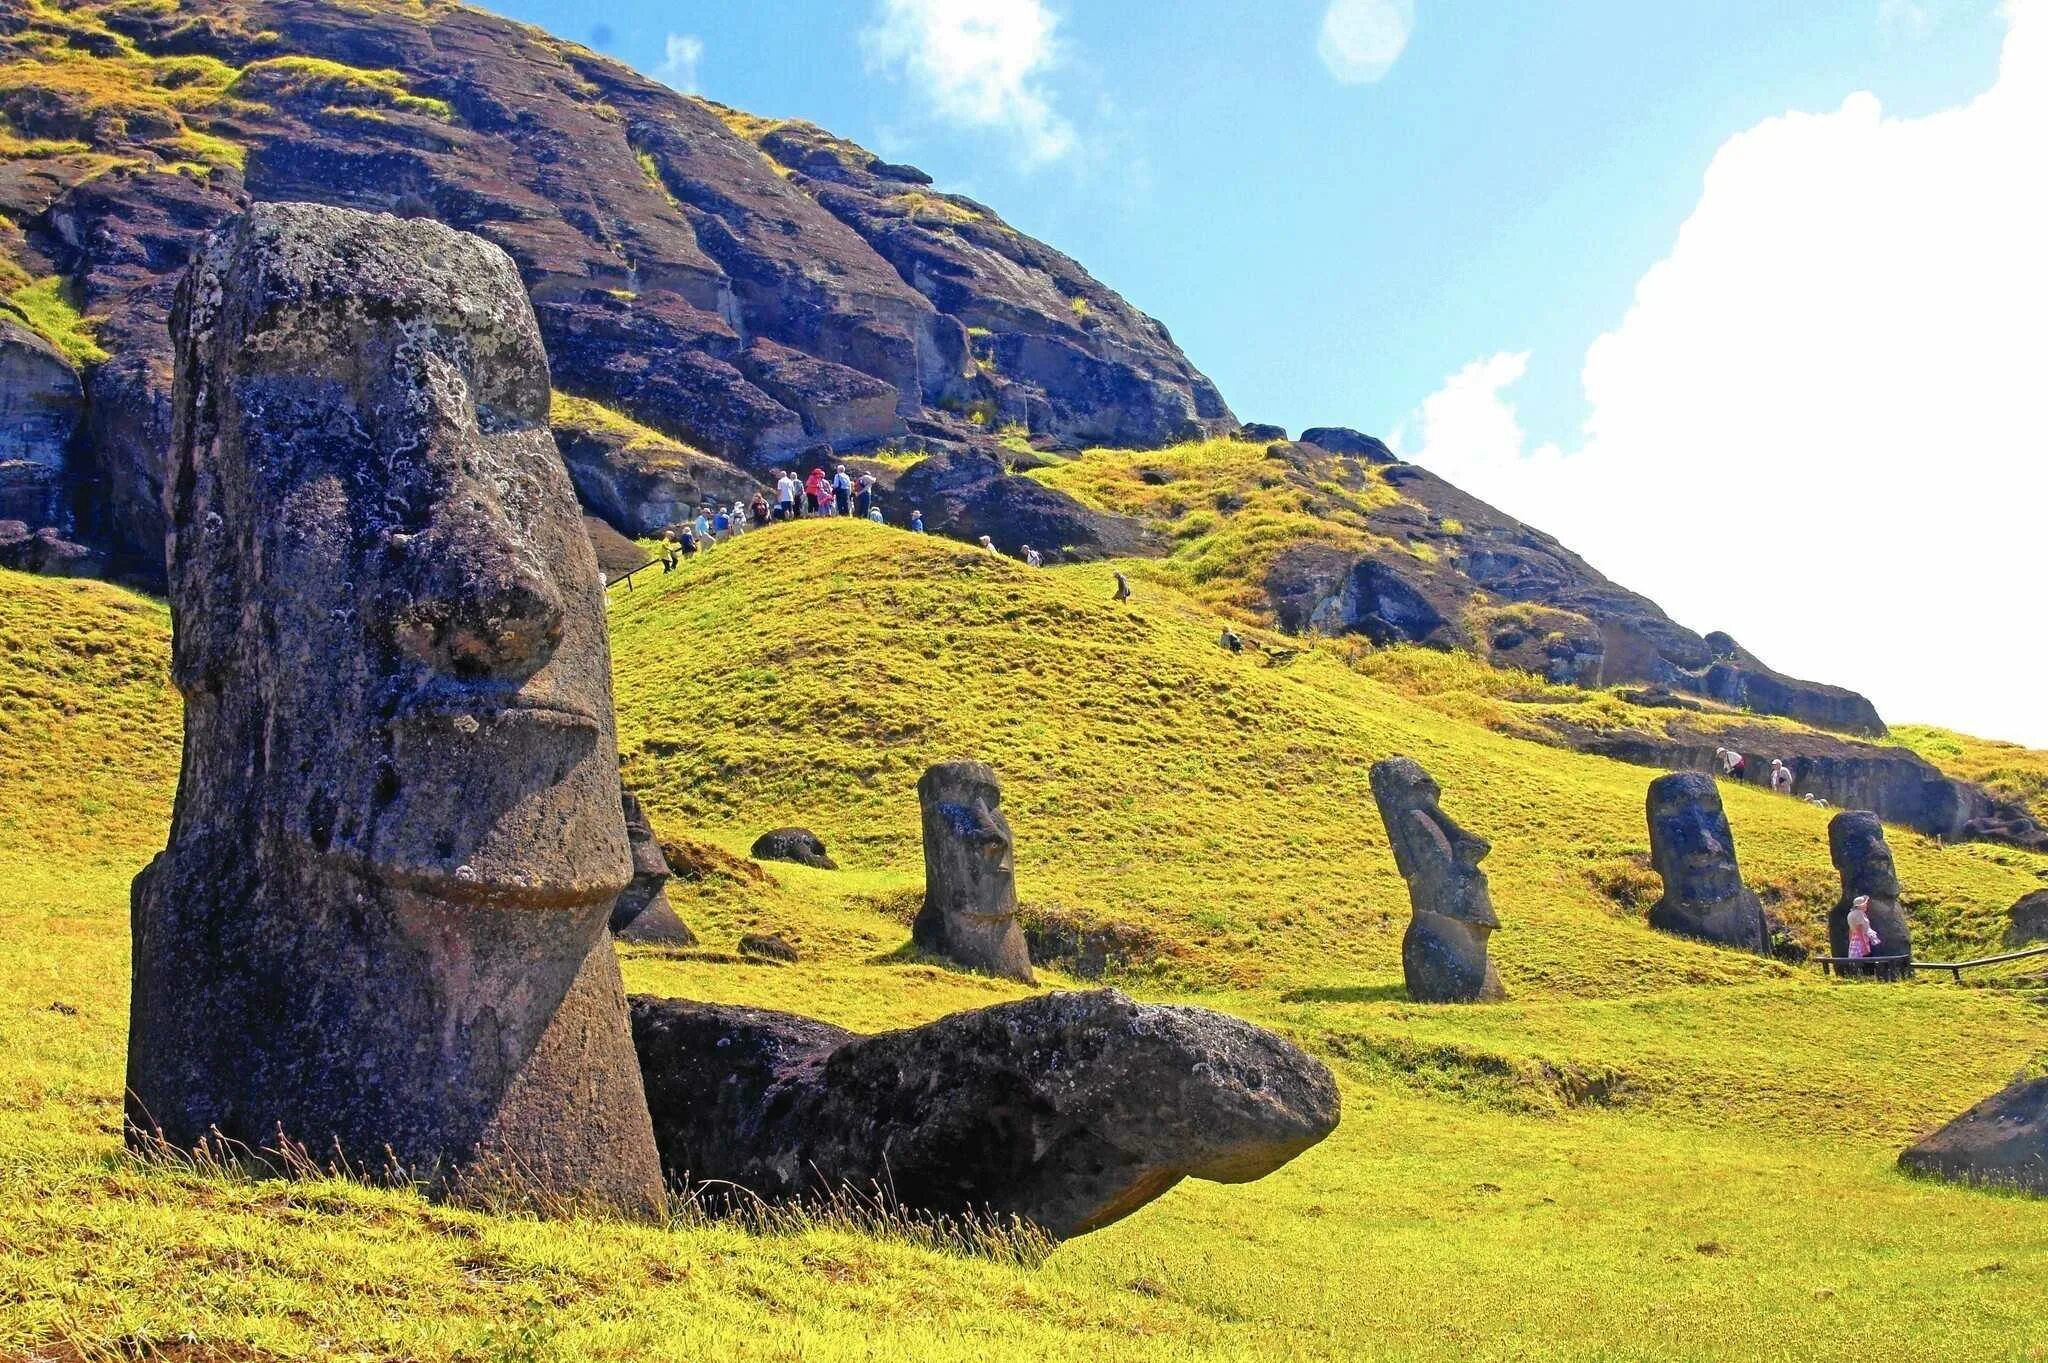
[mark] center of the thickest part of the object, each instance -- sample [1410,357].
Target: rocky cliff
[750,289]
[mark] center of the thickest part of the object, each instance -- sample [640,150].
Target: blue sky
[1490,232]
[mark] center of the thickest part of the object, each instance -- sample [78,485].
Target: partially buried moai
[642,912]
[1864,860]
[1693,850]
[1443,954]
[970,873]
[378,929]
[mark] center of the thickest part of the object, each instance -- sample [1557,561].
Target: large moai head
[970,872]
[380,919]
[1444,952]
[1693,851]
[1864,860]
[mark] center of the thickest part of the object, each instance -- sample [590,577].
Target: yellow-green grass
[1653,1150]
[2016,772]
[334,84]
[45,304]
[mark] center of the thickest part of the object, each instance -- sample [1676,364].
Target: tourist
[989,545]
[814,491]
[786,492]
[669,546]
[1781,776]
[689,541]
[875,515]
[1123,587]
[1231,640]
[757,511]
[1733,764]
[702,525]
[842,492]
[864,495]
[1033,558]
[721,524]
[1862,936]
[916,521]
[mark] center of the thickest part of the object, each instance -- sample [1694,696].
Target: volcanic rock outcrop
[1069,1111]
[799,845]
[642,912]
[2002,1142]
[1864,860]
[1443,954]
[970,873]
[1693,851]
[378,929]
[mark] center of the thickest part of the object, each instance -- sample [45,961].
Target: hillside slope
[1652,1147]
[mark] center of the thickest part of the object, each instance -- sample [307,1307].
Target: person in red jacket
[814,491]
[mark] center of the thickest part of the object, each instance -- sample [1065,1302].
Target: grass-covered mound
[1655,1149]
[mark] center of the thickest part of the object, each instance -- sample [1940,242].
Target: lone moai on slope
[1693,850]
[970,873]
[378,929]
[1443,954]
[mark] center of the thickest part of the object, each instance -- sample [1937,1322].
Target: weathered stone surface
[2002,1142]
[45,551]
[2027,920]
[1344,440]
[1443,954]
[379,924]
[970,873]
[1693,851]
[769,947]
[642,486]
[799,845]
[1864,861]
[1070,1111]
[966,494]
[41,404]
[1261,430]
[642,912]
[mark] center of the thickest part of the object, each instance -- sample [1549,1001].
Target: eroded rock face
[1864,861]
[642,912]
[970,873]
[2001,1142]
[1070,1111]
[965,494]
[2027,920]
[379,924]
[1693,850]
[1443,954]
[40,407]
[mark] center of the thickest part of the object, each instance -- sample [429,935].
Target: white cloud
[981,63]
[1820,424]
[1903,19]
[680,56]
[1362,39]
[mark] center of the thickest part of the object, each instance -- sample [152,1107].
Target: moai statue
[970,873]
[1864,860]
[642,912]
[1694,853]
[1443,955]
[378,930]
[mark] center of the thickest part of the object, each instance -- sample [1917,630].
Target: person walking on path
[814,492]
[1781,776]
[990,545]
[1033,558]
[916,521]
[1123,587]
[786,493]
[864,495]
[1862,936]
[842,492]
[669,547]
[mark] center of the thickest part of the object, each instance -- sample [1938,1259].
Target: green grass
[2015,772]
[1654,1149]
[334,85]
[46,305]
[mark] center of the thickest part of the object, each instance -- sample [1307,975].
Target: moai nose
[479,606]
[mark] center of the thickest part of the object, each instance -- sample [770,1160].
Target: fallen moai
[378,929]
[1068,1111]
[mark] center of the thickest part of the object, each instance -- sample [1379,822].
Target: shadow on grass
[1349,993]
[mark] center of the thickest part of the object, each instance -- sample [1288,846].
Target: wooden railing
[1893,967]
[1955,969]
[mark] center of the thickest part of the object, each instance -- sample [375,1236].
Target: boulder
[2002,1142]
[799,845]
[1343,440]
[642,912]
[768,947]
[1443,954]
[1693,851]
[41,404]
[1258,431]
[970,873]
[2027,920]
[47,552]
[1864,861]
[965,494]
[378,928]
[1068,1111]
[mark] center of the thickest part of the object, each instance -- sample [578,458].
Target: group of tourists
[816,495]
[840,494]
[1735,766]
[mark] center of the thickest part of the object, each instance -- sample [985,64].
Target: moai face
[1860,853]
[1437,857]
[1690,842]
[967,824]
[417,614]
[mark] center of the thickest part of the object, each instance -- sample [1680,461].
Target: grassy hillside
[1654,1149]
